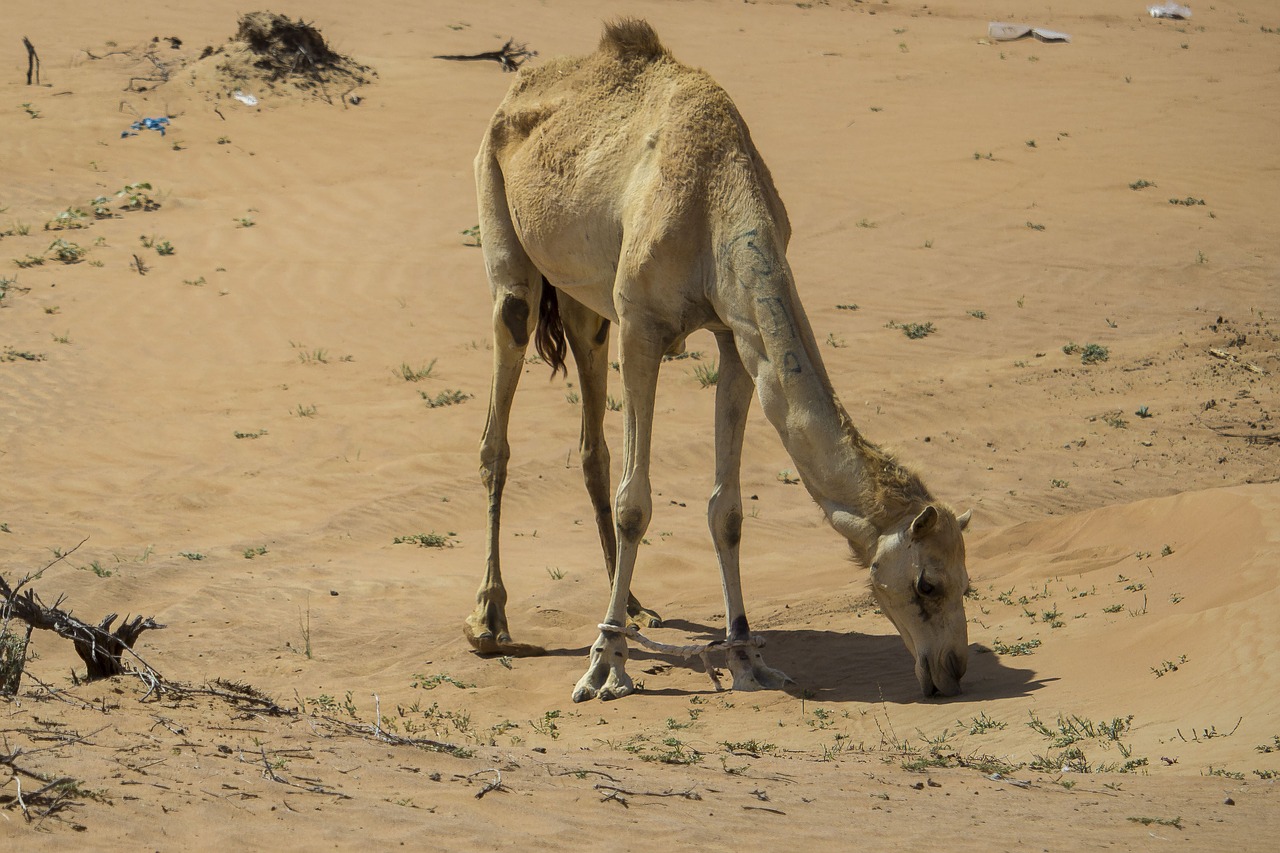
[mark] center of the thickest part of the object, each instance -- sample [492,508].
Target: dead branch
[511,57]
[315,788]
[100,647]
[33,61]
[495,785]
[614,791]
[367,730]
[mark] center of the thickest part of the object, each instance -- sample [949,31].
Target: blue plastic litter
[145,124]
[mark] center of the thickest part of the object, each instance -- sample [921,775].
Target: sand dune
[232,439]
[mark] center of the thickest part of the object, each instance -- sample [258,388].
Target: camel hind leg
[515,284]
[588,336]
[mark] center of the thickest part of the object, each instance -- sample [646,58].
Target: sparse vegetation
[411,374]
[427,540]
[444,398]
[707,374]
[915,331]
[1016,649]
[1168,666]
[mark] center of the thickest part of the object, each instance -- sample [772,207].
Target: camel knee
[724,517]
[633,521]
[514,313]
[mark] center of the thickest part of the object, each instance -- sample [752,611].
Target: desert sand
[233,441]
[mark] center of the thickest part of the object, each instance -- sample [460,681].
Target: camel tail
[631,38]
[549,337]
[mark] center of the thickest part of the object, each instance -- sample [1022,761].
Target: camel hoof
[606,676]
[751,673]
[485,643]
[644,618]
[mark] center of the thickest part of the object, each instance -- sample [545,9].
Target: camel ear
[924,522]
[963,520]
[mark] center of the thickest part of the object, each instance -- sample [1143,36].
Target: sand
[231,442]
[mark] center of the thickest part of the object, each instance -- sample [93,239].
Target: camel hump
[631,38]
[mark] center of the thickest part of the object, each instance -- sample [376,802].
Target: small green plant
[982,724]
[68,220]
[1143,412]
[245,222]
[305,411]
[1030,143]
[444,398]
[1168,666]
[431,682]
[1114,420]
[162,247]
[137,197]
[1113,608]
[1201,257]
[1017,649]
[251,553]
[11,354]
[865,223]
[987,156]
[1093,354]
[1059,484]
[194,282]
[978,314]
[98,569]
[410,374]
[427,540]
[1176,822]
[256,434]
[833,341]
[555,573]
[194,556]
[915,331]
[1035,226]
[62,339]
[472,236]
[707,374]
[31,111]
[65,252]
[1141,184]
[1189,201]
[547,725]
[848,307]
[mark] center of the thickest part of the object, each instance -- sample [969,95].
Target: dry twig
[511,57]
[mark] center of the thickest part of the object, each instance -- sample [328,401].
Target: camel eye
[924,587]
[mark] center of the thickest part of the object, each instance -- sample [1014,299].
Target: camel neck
[777,347]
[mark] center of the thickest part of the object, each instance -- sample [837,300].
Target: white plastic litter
[247,100]
[1170,10]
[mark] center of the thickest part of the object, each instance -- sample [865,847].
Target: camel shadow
[834,666]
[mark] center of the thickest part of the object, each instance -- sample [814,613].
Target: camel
[623,188]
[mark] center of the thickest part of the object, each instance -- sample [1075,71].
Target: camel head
[919,579]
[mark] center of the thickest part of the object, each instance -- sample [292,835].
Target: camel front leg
[588,336]
[734,390]
[606,677]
